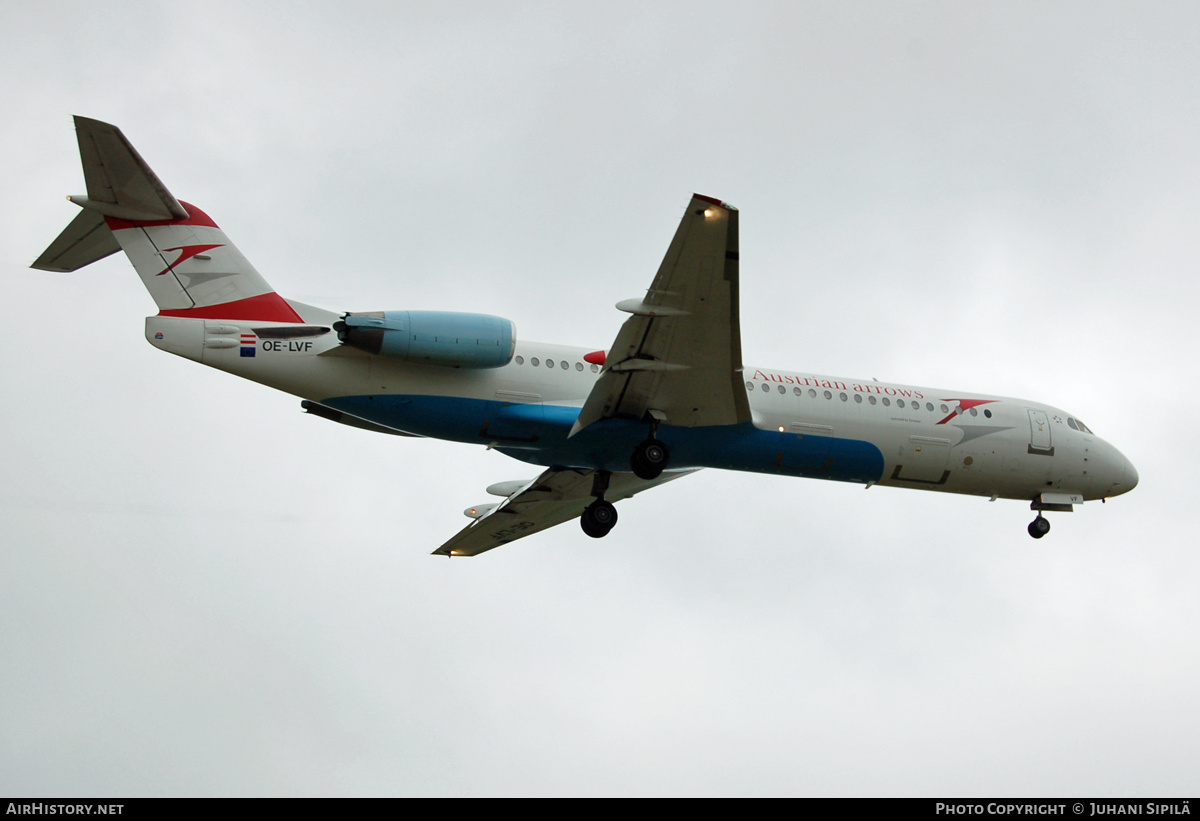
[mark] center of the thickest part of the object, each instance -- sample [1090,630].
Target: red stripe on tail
[195,217]
[264,307]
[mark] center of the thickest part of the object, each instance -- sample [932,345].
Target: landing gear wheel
[649,459]
[598,518]
[1039,527]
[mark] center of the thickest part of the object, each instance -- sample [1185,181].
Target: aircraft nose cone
[1130,479]
[1120,472]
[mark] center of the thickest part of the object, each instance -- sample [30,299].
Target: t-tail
[186,262]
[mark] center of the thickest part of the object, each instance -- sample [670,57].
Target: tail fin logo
[186,253]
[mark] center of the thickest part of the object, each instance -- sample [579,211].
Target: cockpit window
[1078,425]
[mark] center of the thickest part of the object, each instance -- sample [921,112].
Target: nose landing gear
[1057,501]
[1039,527]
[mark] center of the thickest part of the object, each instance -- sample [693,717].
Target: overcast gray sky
[205,592]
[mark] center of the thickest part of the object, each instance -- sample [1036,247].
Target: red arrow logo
[186,253]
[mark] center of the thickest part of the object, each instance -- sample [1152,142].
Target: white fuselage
[803,424]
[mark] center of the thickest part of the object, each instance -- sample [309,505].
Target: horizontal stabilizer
[116,175]
[85,240]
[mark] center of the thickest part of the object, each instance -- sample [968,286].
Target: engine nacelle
[442,338]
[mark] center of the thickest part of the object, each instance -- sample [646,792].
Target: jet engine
[451,340]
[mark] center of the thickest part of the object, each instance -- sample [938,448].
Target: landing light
[708,212]
[781,428]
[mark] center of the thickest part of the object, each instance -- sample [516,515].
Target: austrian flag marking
[249,344]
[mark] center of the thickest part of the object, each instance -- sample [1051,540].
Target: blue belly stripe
[538,434]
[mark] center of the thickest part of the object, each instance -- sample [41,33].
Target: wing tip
[713,201]
[79,120]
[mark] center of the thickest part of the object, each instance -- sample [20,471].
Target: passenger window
[858,398]
[899,403]
[798,391]
[871,399]
[843,397]
[828,395]
[749,386]
[579,366]
[766,388]
[595,368]
[987,412]
[782,389]
[520,360]
[812,392]
[928,406]
[549,363]
[886,402]
[565,364]
[535,362]
[974,411]
[944,408]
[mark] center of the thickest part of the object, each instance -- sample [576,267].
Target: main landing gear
[650,458]
[600,516]
[1039,527]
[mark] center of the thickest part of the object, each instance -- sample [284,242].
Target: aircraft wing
[557,496]
[679,357]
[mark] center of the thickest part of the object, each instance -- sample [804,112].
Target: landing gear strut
[1039,527]
[600,516]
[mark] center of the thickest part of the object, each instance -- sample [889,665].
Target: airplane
[670,396]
